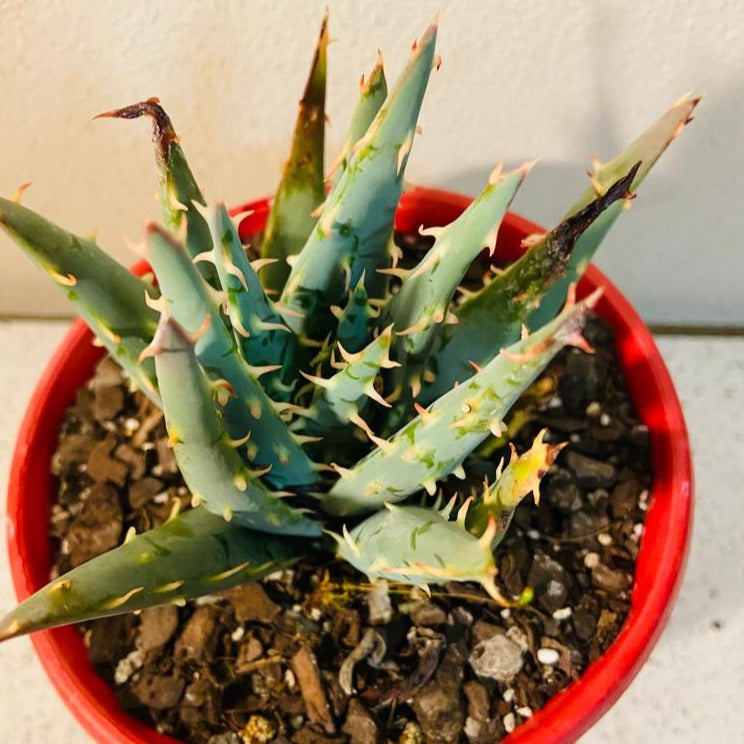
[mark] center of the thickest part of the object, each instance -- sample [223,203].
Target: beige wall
[520,79]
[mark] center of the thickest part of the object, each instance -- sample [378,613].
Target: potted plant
[309,404]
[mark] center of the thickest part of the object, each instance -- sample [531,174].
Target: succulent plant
[316,395]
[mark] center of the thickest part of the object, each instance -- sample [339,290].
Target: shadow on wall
[677,253]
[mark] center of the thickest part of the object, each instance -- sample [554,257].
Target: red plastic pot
[660,561]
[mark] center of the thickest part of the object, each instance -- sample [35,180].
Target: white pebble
[160,498]
[591,560]
[238,633]
[533,534]
[128,666]
[157,470]
[472,728]
[555,402]
[604,420]
[505,613]
[604,539]
[131,424]
[508,694]
[510,722]
[563,613]
[315,614]
[548,656]
[525,712]
[643,500]
[593,409]
[289,679]
[637,532]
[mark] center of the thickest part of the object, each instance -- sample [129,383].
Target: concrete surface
[689,690]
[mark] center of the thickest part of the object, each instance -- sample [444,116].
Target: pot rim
[661,558]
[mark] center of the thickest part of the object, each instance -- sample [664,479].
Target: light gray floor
[691,688]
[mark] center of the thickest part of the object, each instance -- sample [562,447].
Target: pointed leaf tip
[20,190]
[163,132]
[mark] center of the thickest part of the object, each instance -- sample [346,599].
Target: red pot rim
[568,714]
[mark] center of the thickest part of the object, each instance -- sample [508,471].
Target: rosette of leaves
[318,393]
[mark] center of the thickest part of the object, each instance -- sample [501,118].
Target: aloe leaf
[491,319]
[647,149]
[420,308]
[436,442]
[521,477]
[355,319]
[189,299]
[193,554]
[372,94]
[351,237]
[419,546]
[422,301]
[301,188]
[179,192]
[209,462]
[109,298]
[340,398]
[262,336]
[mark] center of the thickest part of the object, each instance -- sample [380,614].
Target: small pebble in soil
[238,633]
[508,694]
[258,730]
[128,666]
[548,656]
[510,722]
[497,658]
[411,734]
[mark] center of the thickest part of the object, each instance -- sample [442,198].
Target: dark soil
[316,655]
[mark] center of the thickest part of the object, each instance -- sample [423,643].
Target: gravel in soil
[316,655]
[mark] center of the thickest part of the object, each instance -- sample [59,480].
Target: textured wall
[520,79]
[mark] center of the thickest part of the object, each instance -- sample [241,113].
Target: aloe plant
[316,395]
